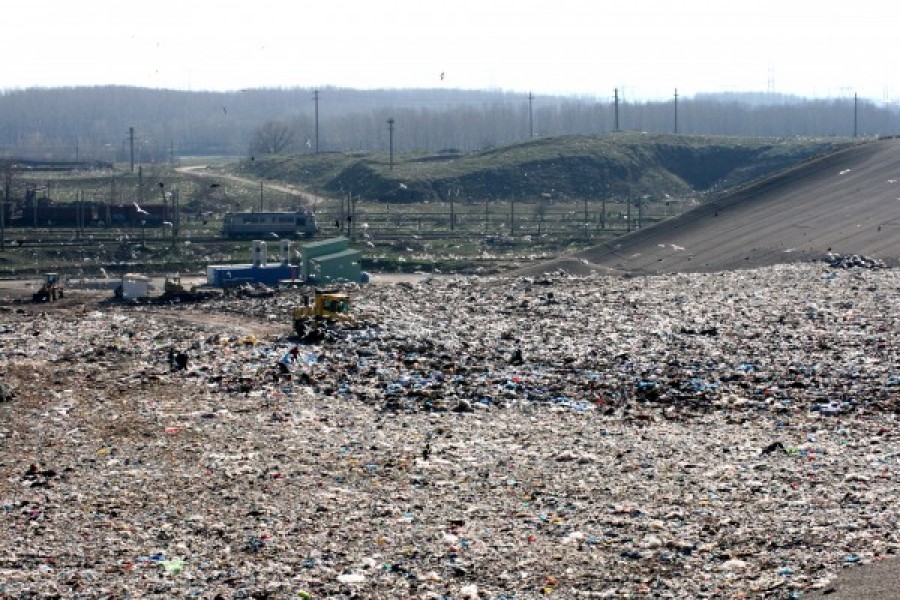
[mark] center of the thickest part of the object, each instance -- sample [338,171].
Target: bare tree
[272,137]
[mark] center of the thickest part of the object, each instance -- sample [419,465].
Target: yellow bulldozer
[327,308]
[51,290]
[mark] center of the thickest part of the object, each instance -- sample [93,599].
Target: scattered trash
[853,261]
[173,566]
[6,394]
[721,435]
[773,447]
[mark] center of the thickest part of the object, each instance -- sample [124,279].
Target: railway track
[63,238]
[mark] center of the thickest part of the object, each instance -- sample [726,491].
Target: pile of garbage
[685,436]
[6,394]
[853,261]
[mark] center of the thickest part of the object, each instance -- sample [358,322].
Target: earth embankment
[847,202]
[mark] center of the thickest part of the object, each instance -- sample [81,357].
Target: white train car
[262,225]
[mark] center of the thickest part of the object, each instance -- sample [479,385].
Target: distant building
[257,272]
[330,261]
[322,262]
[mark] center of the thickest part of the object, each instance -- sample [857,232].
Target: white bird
[273,234]
[402,186]
[167,223]
[102,270]
[140,210]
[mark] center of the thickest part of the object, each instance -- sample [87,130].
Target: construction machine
[327,308]
[52,289]
[172,285]
[175,291]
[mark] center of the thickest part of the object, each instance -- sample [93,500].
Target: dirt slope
[847,202]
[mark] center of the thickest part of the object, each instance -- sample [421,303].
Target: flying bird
[402,186]
[442,75]
[140,210]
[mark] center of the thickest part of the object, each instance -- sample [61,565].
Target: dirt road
[201,171]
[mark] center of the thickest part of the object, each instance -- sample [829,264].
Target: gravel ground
[728,435]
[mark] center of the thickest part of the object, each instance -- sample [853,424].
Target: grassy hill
[562,168]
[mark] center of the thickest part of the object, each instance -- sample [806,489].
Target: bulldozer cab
[327,307]
[51,289]
[332,303]
[172,284]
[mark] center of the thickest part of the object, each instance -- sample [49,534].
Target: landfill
[723,435]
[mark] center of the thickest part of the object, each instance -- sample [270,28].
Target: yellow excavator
[327,308]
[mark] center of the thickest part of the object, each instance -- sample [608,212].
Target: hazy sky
[646,48]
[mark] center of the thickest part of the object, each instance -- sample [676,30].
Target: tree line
[92,123]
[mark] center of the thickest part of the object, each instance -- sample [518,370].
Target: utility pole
[390,123]
[351,226]
[855,115]
[3,212]
[162,194]
[131,143]
[176,224]
[628,213]
[616,100]
[603,213]
[676,111]
[585,216]
[452,211]
[530,116]
[260,196]
[316,100]
[79,213]
[603,196]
